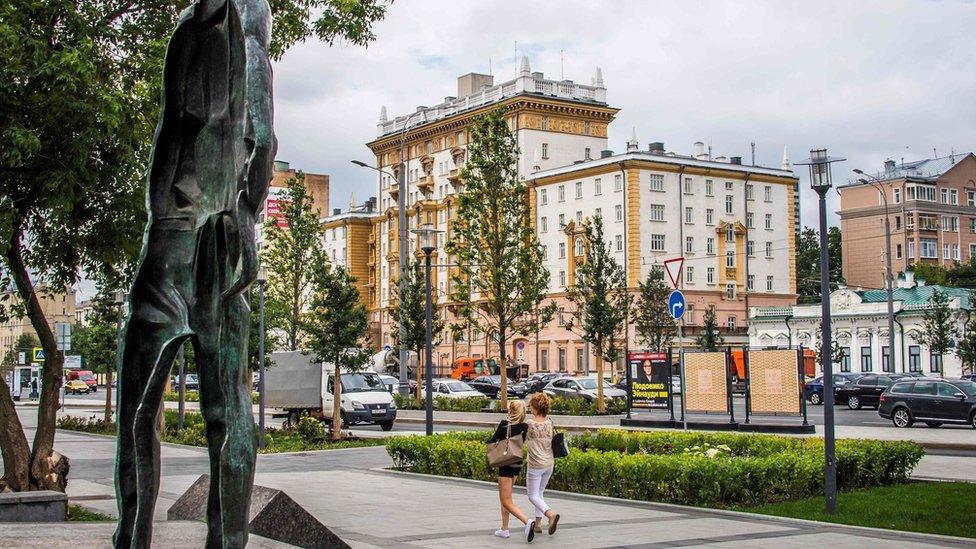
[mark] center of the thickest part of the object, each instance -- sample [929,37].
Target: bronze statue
[208,178]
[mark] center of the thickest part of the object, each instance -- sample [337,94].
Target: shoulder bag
[559,446]
[507,451]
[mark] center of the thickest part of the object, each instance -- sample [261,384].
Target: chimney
[737,160]
[889,166]
[370,204]
[699,149]
[632,144]
[281,166]
[721,159]
[472,83]
[606,153]
[656,147]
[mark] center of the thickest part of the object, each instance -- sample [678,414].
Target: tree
[931,273]
[24,343]
[835,256]
[599,293]
[270,338]
[808,263]
[938,325]
[336,327]
[710,338]
[97,341]
[410,310]
[966,348]
[288,255]
[653,323]
[836,351]
[501,279]
[78,104]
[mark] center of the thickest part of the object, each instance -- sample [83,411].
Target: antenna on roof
[562,76]
[489,66]
[753,145]
[935,154]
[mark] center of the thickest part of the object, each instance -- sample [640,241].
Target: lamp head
[426,234]
[858,171]
[262,274]
[360,164]
[819,162]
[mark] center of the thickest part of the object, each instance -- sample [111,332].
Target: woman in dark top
[507,473]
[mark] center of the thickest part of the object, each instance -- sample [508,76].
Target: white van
[364,399]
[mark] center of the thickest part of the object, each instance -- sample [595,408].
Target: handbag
[559,446]
[507,451]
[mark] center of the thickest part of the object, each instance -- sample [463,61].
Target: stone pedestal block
[272,515]
[36,506]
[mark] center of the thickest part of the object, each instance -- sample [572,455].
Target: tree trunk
[601,405]
[108,395]
[48,468]
[13,443]
[336,432]
[502,369]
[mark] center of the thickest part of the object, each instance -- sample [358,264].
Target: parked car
[581,387]
[813,389]
[490,386]
[865,391]
[192,382]
[77,387]
[969,377]
[932,401]
[392,384]
[538,381]
[453,388]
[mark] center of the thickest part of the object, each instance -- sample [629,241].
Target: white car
[453,388]
[392,383]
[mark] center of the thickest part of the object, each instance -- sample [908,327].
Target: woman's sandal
[552,524]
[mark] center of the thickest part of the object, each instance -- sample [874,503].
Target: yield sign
[673,268]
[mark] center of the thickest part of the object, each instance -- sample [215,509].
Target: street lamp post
[120,297]
[820,181]
[426,234]
[877,184]
[262,280]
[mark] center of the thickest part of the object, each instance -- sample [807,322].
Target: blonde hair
[540,403]
[516,412]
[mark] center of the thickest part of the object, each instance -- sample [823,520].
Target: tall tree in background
[336,327]
[653,323]
[710,337]
[966,348]
[938,326]
[599,293]
[836,257]
[288,254]
[501,279]
[97,341]
[410,310]
[836,351]
[808,263]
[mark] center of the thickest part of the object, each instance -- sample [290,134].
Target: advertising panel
[650,379]
[706,387]
[774,384]
[277,197]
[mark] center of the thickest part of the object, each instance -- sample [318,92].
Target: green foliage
[808,263]
[25,343]
[290,255]
[655,466]
[966,348]
[336,321]
[581,407]
[77,513]
[836,351]
[350,20]
[653,323]
[86,425]
[410,310]
[938,325]
[931,273]
[493,241]
[310,429]
[97,340]
[468,404]
[710,337]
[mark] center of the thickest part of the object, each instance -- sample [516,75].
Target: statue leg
[148,355]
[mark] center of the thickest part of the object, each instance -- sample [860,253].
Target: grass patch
[77,513]
[929,507]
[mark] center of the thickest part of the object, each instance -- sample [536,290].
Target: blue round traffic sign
[387,348]
[676,304]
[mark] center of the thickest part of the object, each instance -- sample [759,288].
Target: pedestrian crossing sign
[38,355]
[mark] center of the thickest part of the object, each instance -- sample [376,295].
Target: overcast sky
[868,80]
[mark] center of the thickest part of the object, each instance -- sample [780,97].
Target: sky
[867,80]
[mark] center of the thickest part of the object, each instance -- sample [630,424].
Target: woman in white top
[540,462]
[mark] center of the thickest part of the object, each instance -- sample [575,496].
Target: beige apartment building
[932,214]
[57,307]
[346,239]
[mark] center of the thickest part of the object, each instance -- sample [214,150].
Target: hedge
[468,404]
[759,469]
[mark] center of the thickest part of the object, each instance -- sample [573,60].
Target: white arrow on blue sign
[676,304]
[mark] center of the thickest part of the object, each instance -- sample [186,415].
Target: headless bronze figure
[208,178]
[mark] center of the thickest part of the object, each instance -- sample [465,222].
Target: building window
[562,279]
[618,213]
[728,204]
[586,153]
[545,252]
[769,283]
[597,186]
[897,251]
[955,252]
[845,359]
[730,290]
[768,193]
[865,359]
[945,196]
[562,193]
[886,359]
[897,222]
[710,246]
[562,360]
[972,224]
[935,363]
[972,251]
[911,250]
[618,183]
[620,242]
[688,188]
[971,198]
[690,314]
[751,282]
[545,151]
[769,249]
[657,242]
[579,189]
[690,274]
[730,258]
[657,212]
[909,221]
[710,275]
[579,217]
[580,363]
[953,197]
[543,224]
[750,220]
[769,222]
[543,197]
[914,358]
[750,248]
[598,212]
[544,360]
[689,215]
[562,221]
[921,192]
[729,233]
[730,323]
[897,196]
[657,182]
[929,248]
[689,245]
[709,187]
[562,250]
[749,191]
[729,185]
[709,216]
[579,246]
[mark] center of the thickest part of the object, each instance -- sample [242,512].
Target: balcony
[394,190]
[426,184]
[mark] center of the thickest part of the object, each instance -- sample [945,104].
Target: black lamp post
[262,280]
[820,182]
[427,244]
[120,298]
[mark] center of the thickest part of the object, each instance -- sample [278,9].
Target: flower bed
[665,467]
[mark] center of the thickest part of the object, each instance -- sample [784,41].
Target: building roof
[929,168]
[917,295]
[660,158]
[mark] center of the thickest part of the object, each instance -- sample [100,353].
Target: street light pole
[262,279]
[877,184]
[119,304]
[819,164]
[426,234]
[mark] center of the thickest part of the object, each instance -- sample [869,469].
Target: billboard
[706,382]
[277,197]
[650,385]
[774,382]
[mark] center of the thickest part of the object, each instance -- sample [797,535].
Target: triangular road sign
[673,268]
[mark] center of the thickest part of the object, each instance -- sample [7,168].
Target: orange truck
[739,366]
[84,375]
[466,368]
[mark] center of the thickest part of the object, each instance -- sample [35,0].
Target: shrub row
[469,404]
[674,476]
[194,396]
[581,407]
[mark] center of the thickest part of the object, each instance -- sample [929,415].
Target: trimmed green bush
[469,404]
[580,407]
[655,466]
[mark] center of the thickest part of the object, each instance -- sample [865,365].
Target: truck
[300,386]
[84,375]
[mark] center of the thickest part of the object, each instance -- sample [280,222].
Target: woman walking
[513,426]
[541,462]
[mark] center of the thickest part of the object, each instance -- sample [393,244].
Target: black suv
[536,382]
[933,401]
[865,391]
[490,386]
